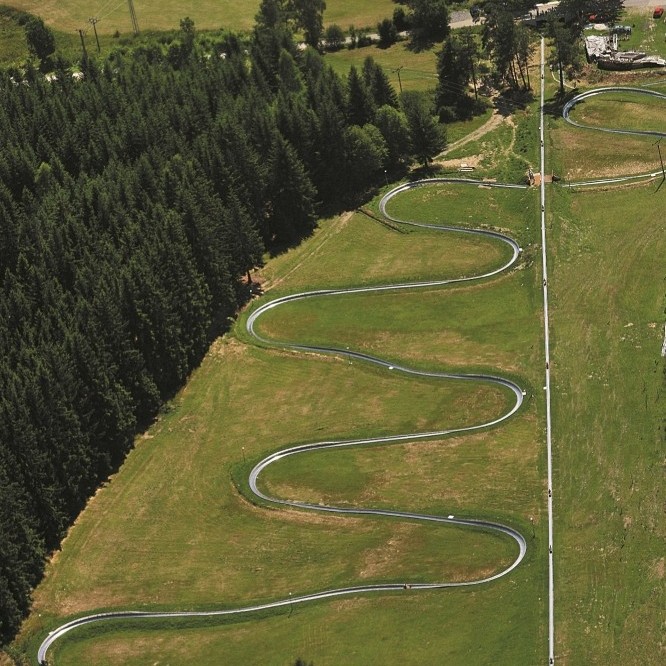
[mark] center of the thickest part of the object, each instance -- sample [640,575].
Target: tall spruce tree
[428,137]
[292,195]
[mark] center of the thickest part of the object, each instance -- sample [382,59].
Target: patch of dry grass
[586,154]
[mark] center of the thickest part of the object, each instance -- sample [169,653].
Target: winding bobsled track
[613,130]
[595,92]
[476,524]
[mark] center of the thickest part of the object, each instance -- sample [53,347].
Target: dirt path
[494,121]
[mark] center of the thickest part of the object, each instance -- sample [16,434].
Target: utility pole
[397,70]
[135,23]
[471,64]
[661,159]
[83,43]
[94,21]
[470,52]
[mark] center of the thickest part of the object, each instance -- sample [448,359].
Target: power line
[452,87]
[429,75]
[103,7]
[96,19]
[130,3]
[397,70]
[457,90]
[122,2]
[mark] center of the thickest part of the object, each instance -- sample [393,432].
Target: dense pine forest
[134,202]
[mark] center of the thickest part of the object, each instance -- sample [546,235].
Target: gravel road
[640,3]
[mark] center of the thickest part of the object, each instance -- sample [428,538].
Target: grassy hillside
[170,530]
[68,15]
[418,69]
[608,313]
[607,292]
[580,154]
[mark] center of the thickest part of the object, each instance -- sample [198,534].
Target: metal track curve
[609,130]
[605,91]
[477,524]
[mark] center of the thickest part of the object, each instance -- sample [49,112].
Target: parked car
[658,12]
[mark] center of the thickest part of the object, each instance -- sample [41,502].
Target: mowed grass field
[418,69]
[622,110]
[172,531]
[581,154]
[68,15]
[647,34]
[607,298]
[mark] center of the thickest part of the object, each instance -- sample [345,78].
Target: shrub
[388,33]
[334,37]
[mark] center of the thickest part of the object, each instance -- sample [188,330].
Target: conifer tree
[41,42]
[394,127]
[378,83]
[292,195]
[428,138]
[361,106]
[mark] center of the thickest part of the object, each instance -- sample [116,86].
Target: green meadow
[607,286]
[174,528]
[582,154]
[417,69]
[621,110]
[647,34]
[607,316]
[66,17]
[69,15]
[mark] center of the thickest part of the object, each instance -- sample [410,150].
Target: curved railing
[610,130]
[478,524]
[605,91]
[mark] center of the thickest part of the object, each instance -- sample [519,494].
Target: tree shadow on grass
[553,107]
[344,202]
[512,99]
